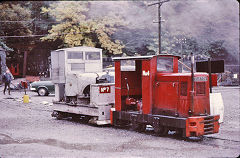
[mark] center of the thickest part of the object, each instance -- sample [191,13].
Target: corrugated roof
[142,57]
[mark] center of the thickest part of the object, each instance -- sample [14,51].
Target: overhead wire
[21,36]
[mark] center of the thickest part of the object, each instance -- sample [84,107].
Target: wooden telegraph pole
[25,63]
[159,3]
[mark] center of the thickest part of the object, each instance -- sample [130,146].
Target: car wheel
[42,92]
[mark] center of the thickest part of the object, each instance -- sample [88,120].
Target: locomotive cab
[150,91]
[82,89]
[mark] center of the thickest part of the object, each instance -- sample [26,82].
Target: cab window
[75,55]
[164,64]
[92,55]
[128,65]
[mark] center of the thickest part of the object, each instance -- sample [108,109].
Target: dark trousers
[7,85]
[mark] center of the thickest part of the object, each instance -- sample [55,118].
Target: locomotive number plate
[200,78]
[105,89]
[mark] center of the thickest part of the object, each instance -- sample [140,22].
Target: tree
[15,21]
[75,29]
[137,41]
[217,50]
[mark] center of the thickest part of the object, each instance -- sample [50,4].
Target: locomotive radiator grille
[208,125]
[200,88]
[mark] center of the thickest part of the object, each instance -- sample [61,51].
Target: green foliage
[68,24]
[67,11]
[14,12]
[136,41]
[76,30]
[216,49]
[15,21]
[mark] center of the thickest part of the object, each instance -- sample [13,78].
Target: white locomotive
[82,89]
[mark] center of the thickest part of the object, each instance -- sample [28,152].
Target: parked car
[43,88]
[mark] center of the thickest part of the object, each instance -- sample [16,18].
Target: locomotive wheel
[140,127]
[161,130]
[179,132]
[121,123]
[60,115]
[85,119]
[75,118]
[165,131]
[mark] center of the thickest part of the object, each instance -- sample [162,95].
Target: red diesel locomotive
[152,92]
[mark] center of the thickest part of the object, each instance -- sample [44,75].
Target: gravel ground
[28,130]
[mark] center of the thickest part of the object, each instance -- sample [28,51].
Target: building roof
[81,48]
[143,57]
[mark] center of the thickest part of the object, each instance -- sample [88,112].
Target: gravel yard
[28,130]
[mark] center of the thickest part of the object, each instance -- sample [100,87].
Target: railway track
[206,140]
[210,137]
[220,143]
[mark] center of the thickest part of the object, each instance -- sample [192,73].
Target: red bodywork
[214,79]
[14,69]
[164,92]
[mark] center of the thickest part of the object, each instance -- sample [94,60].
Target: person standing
[7,78]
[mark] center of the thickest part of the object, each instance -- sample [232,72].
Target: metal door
[58,66]
[166,98]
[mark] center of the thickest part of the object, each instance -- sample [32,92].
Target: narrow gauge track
[210,137]
[206,140]
[220,142]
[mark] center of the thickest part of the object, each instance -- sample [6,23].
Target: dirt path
[28,130]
